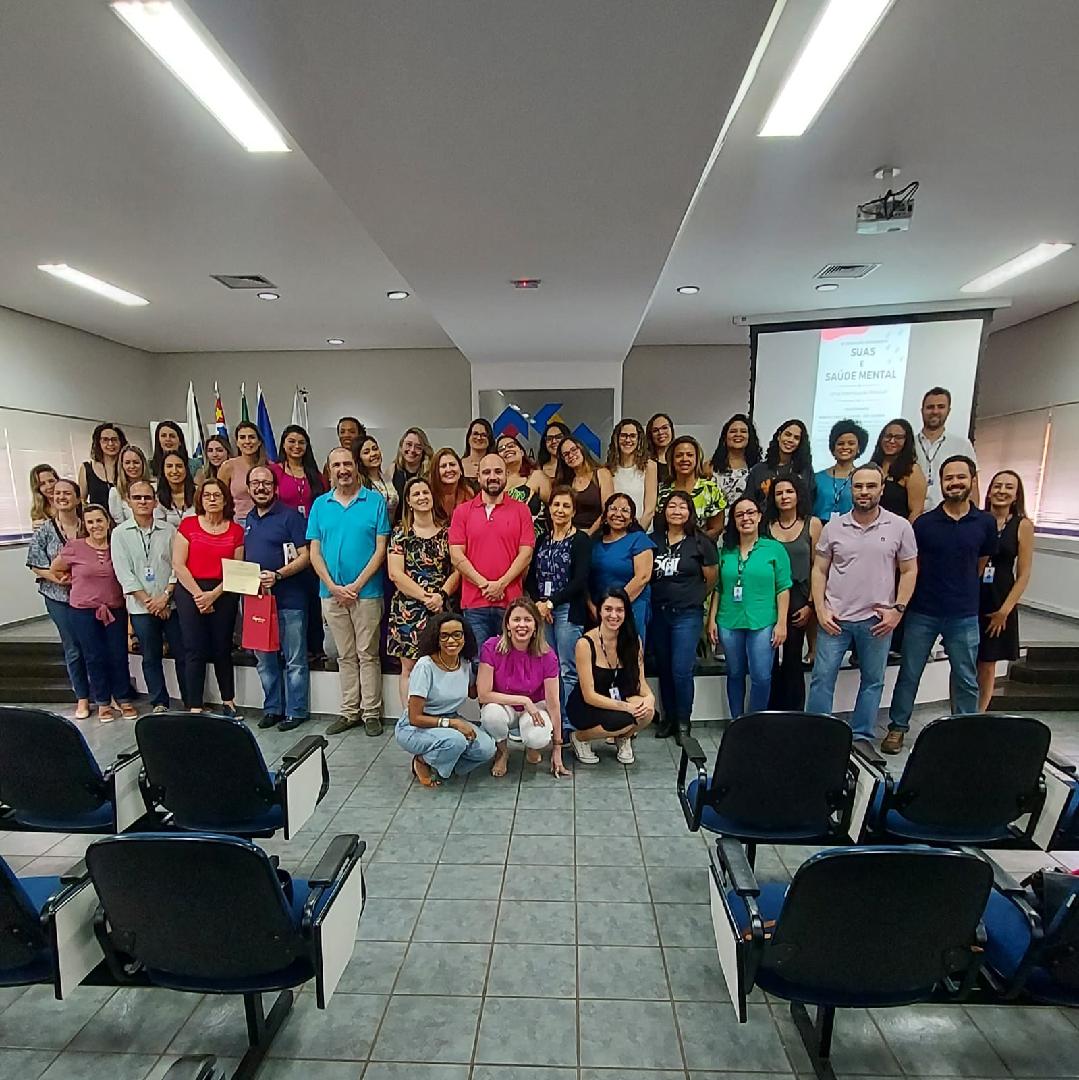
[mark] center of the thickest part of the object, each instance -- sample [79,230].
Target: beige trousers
[355,632]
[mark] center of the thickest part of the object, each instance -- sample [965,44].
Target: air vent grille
[846,270]
[244,281]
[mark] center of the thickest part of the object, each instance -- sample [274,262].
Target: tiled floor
[520,929]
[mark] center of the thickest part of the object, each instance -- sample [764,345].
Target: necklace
[437,658]
[787,528]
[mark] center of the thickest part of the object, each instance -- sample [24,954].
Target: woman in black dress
[904,481]
[1005,579]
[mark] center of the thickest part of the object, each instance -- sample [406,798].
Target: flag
[265,427]
[299,408]
[220,427]
[195,431]
[244,415]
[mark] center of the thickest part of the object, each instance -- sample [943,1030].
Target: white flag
[299,408]
[195,433]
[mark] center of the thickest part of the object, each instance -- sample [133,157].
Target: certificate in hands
[239,576]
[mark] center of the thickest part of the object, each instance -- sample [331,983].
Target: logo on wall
[511,422]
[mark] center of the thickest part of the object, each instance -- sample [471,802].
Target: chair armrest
[122,759]
[76,873]
[691,749]
[342,848]
[303,749]
[736,866]
[868,753]
[1065,765]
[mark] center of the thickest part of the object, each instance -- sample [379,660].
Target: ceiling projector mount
[891,212]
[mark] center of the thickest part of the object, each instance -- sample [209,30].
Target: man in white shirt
[933,445]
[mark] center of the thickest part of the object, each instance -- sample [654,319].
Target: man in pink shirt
[491,542]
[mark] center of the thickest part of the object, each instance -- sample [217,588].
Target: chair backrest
[205,769]
[1059,950]
[21,935]
[46,768]
[880,921]
[973,770]
[781,770]
[194,905]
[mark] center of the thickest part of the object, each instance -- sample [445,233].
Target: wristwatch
[276,576]
[444,722]
[900,608]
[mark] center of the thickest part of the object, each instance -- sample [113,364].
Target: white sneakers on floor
[585,754]
[625,750]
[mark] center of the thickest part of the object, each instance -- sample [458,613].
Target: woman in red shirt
[98,613]
[207,612]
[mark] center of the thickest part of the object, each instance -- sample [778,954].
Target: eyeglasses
[893,438]
[743,514]
[451,635]
[141,498]
[260,484]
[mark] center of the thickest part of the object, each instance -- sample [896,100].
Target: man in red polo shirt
[491,542]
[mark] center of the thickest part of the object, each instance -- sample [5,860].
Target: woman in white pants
[517,684]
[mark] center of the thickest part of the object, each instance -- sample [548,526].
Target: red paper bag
[260,631]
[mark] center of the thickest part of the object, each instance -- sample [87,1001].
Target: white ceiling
[974,98]
[448,147]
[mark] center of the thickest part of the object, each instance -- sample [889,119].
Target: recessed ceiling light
[268,296]
[167,33]
[1036,256]
[335,341]
[688,290]
[826,286]
[397,294]
[93,284]
[833,45]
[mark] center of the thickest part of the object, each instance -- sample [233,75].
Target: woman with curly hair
[630,471]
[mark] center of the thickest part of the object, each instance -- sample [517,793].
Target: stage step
[29,690]
[1046,680]
[33,671]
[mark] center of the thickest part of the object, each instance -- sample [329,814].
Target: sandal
[431,780]
[128,711]
[82,713]
[105,714]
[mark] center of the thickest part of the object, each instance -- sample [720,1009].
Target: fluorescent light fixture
[826,286]
[1036,256]
[688,290]
[335,341]
[269,296]
[397,294]
[95,285]
[166,32]
[831,48]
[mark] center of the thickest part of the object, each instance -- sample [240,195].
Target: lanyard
[837,492]
[742,562]
[931,458]
[147,539]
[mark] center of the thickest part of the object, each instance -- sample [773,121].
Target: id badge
[303,510]
[989,573]
[736,594]
[150,576]
[288,549]
[615,694]
[548,590]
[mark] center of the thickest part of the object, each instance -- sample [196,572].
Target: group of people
[537,584]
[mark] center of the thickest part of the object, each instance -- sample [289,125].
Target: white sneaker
[625,750]
[585,754]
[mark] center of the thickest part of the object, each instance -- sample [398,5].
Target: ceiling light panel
[93,284]
[832,47]
[168,33]
[1036,256]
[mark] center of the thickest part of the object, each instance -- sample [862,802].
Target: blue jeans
[675,633]
[152,632]
[642,616]
[960,637]
[872,656]
[447,751]
[105,650]
[484,622]
[562,636]
[60,613]
[748,652]
[284,675]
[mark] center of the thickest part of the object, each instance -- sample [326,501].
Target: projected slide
[861,371]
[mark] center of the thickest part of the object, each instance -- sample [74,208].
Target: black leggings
[207,639]
[788,678]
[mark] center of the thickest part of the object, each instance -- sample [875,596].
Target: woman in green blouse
[749,606]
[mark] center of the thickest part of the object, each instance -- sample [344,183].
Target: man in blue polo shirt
[348,528]
[955,541]
[274,538]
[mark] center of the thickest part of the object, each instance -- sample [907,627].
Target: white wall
[60,371]
[1032,366]
[388,389]
[699,385]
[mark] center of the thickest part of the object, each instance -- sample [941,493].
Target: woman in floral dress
[420,568]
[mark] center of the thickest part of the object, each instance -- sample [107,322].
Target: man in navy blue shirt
[275,537]
[955,541]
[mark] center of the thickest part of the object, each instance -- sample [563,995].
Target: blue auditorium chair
[1032,938]
[50,781]
[26,951]
[969,780]
[214,915]
[778,778]
[858,927]
[205,773]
